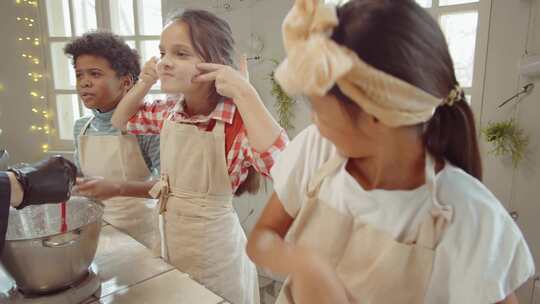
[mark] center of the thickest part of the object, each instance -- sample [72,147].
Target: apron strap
[161,191]
[219,127]
[325,170]
[86,125]
[179,100]
[440,216]
[433,227]
[121,155]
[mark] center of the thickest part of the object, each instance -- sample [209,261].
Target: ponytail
[451,135]
[251,185]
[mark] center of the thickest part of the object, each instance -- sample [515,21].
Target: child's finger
[87,182]
[150,64]
[80,180]
[152,73]
[243,66]
[209,67]
[206,77]
[84,186]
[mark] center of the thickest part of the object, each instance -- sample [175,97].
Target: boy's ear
[127,82]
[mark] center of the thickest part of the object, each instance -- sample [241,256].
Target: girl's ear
[369,122]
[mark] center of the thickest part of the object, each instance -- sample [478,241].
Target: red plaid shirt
[151,116]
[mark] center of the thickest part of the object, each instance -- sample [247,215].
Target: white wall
[511,33]
[15,102]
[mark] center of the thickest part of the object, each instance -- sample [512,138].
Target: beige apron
[118,157]
[200,230]
[374,268]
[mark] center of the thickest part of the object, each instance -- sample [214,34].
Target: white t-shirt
[482,256]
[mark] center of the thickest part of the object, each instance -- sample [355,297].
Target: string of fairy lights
[31,51]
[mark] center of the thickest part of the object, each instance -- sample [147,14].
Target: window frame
[103,22]
[483,7]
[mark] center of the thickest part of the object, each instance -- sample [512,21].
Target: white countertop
[131,274]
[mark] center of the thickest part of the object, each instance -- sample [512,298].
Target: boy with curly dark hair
[116,167]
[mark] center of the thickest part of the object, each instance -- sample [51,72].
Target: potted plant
[507,139]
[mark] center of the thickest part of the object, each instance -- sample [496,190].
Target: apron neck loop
[432,228]
[86,126]
[438,209]
[175,108]
[219,127]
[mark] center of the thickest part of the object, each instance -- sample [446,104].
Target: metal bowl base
[77,293]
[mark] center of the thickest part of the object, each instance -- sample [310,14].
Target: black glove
[47,181]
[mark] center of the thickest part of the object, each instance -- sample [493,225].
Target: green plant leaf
[284,103]
[507,139]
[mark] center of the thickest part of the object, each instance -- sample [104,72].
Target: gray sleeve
[150,149]
[5,196]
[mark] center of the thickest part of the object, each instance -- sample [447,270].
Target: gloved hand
[47,181]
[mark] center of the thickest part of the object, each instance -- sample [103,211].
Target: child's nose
[85,82]
[164,62]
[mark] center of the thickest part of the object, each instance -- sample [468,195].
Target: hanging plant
[507,138]
[284,103]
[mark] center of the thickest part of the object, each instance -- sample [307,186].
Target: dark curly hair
[123,59]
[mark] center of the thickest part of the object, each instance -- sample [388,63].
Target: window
[67,19]
[465,24]
[459,22]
